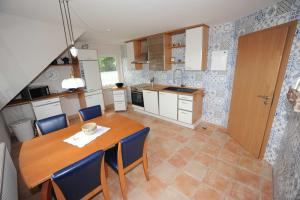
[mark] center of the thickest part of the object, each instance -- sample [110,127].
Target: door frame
[279,81]
[280,78]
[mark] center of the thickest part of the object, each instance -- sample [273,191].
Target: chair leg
[106,170]
[145,166]
[123,184]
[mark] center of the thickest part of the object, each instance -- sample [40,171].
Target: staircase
[27,47]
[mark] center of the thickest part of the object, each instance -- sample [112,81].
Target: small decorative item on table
[89,128]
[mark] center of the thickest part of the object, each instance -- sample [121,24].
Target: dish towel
[80,139]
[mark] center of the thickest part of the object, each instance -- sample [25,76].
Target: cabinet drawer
[119,105]
[185,105]
[185,116]
[118,92]
[186,97]
[119,97]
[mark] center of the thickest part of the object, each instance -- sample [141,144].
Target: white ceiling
[128,19]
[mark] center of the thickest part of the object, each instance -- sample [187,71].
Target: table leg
[46,191]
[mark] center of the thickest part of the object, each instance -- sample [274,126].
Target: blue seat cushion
[80,178]
[111,157]
[90,112]
[52,124]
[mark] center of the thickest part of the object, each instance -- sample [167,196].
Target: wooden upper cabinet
[159,48]
[196,42]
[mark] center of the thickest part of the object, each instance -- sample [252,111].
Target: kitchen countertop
[121,88]
[17,102]
[158,87]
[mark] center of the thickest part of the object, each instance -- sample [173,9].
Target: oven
[137,97]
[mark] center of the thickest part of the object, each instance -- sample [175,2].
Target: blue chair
[90,113]
[51,124]
[130,152]
[81,180]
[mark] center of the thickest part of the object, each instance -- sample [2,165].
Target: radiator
[8,176]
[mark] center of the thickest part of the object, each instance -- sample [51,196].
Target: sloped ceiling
[114,21]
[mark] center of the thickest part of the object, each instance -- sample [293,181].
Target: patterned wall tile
[218,85]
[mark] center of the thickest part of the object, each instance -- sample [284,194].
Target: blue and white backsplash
[218,84]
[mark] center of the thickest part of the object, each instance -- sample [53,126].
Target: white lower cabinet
[46,108]
[120,100]
[94,98]
[168,105]
[185,116]
[151,101]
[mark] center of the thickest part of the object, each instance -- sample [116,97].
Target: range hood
[141,59]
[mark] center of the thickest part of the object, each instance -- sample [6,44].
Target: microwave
[33,92]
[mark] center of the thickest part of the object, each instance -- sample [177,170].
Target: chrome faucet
[152,82]
[181,76]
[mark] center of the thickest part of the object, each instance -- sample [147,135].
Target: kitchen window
[108,69]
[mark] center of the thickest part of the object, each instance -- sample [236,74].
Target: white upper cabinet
[151,101]
[87,54]
[130,55]
[168,105]
[196,48]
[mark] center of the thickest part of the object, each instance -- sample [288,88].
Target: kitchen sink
[180,89]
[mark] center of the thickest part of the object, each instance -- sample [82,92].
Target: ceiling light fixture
[66,20]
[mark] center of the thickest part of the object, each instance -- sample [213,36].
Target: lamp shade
[72,83]
[74,51]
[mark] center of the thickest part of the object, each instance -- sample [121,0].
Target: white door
[91,74]
[46,108]
[168,105]
[151,101]
[130,55]
[94,98]
[193,50]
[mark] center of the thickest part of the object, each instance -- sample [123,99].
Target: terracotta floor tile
[154,186]
[206,193]
[248,178]
[210,149]
[218,182]
[186,152]
[225,169]
[205,159]
[186,184]
[181,139]
[171,193]
[195,170]
[251,164]
[241,192]
[166,172]
[233,146]
[177,161]
[267,187]
[228,156]
[185,164]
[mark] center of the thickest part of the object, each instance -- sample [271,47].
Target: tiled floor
[190,164]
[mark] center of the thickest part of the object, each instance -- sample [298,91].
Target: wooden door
[258,63]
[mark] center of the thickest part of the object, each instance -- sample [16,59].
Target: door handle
[267,99]
[264,97]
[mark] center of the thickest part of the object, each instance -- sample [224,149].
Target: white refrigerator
[89,70]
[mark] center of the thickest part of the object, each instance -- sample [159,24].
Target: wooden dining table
[40,157]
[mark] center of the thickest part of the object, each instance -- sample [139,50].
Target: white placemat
[80,139]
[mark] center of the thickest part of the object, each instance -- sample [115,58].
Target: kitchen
[187,83]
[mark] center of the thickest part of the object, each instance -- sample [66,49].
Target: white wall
[4,134]
[106,50]
[26,48]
